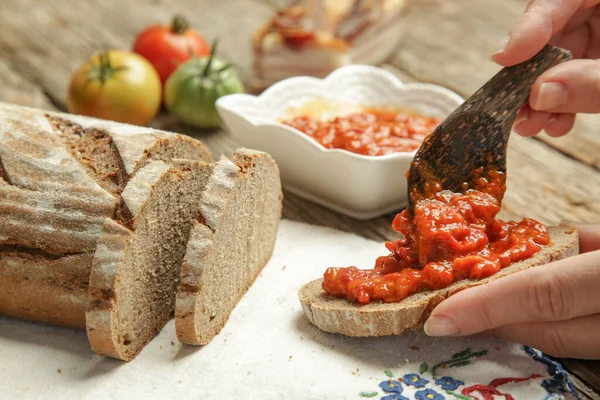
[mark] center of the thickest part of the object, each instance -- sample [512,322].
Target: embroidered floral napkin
[269,350]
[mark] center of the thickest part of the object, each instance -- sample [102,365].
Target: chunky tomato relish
[371,132]
[452,236]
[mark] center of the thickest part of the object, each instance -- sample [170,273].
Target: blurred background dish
[314,37]
[357,185]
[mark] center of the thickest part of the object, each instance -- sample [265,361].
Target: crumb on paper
[415,348]
[291,357]
[224,340]
[283,268]
[59,370]
[172,343]
[179,381]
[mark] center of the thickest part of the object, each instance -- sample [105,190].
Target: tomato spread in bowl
[452,236]
[370,131]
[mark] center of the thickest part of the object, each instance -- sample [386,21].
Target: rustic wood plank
[586,371]
[18,90]
[449,42]
[51,44]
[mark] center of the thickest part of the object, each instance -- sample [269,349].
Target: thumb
[570,87]
[557,291]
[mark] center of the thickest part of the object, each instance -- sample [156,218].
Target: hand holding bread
[555,308]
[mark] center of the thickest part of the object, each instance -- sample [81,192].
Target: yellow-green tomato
[192,90]
[116,85]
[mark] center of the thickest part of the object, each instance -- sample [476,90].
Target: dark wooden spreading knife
[474,138]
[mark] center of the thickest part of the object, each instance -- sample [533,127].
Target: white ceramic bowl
[359,186]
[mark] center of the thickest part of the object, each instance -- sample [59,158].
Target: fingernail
[522,115]
[501,45]
[440,326]
[551,95]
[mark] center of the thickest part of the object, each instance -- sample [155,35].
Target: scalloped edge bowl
[361,187]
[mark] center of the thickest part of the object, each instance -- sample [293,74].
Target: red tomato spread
[372,132]
[452,236]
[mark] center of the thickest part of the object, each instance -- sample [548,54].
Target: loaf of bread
[95,219]
[338,315]
[63,181]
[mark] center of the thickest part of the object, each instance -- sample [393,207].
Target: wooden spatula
[475,136]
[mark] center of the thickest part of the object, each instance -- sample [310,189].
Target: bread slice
[338,315]
[136,272]
[232,239]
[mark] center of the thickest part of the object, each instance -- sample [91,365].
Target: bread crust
[338,315]
[45,288]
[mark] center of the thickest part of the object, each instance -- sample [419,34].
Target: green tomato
[192,90]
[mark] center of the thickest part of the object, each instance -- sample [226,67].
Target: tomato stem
[180,24]
[213,50]
[104,70]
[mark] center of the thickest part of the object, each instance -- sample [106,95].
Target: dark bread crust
[381,319]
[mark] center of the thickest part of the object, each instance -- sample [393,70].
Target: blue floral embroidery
[391,386]
[394,396]
[448,383]
[428,394]
[560,381]
[414,380]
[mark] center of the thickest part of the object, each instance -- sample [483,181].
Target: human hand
[554,308]
[569,88]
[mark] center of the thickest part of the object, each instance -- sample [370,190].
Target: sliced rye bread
[338,315]
[231,241]
[62,177]
[136,272]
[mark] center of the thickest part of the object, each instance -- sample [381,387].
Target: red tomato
[168,46]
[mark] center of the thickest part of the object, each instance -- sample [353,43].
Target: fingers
[589,235]
[576,338]
[530,122]
[571,87]
[559,124]
[558,291]
[542,20]
[576,41]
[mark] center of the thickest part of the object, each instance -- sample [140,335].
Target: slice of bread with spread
[231,241]
[338,315]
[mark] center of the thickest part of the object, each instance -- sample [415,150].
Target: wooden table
[42,42]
